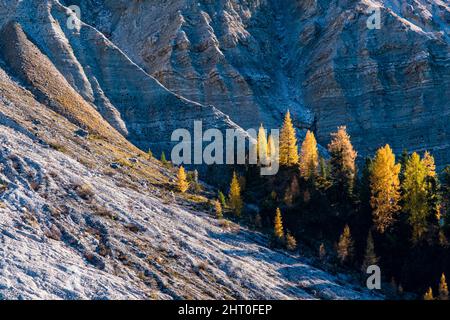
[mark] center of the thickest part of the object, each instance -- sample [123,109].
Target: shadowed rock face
[255,59]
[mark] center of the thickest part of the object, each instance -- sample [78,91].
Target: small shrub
[58,147]
[35,186]
[85,191]
[101,211]
[3,186]
[53,233]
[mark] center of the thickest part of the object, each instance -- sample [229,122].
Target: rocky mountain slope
[73,227]
[254,59]
[132,101]
[84,213]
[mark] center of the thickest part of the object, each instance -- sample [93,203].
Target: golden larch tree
[262,148]
[345,245]
[183,184]
[342,161]
[428,295]
[291,243]
[384,188]
[278,226]
[309,157]
[218,209]
[288,143]
[272,150]
[270,146]
[234,197]
[428,162]
[434,192]
[443,288]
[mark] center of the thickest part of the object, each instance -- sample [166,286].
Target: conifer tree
[291,243]
[278,226]
[370,257]
[193,181]
[288,197]
[234,197]
[322,251]
[343,168]
[322,180]
[309,157]
[163,158]
[262,148]
[183,184]
[428,162]
[218,209]
[242,183]
[292,192]
[364,186]
[415,196]
[323,168]
[402,161]
[443,288]
[222,199]
[288,143]
[345,245]
[384,186]
[428,295]
[434,199]
[271,151]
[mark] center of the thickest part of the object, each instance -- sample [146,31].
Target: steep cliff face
[388,85]
[223,53]
[102,76]
[254,59]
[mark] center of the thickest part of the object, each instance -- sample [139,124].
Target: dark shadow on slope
[315,282]
[247,237]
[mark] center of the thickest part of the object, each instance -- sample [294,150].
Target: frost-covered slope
[53,246]
[72,227]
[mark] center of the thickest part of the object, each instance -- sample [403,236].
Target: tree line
[394,213]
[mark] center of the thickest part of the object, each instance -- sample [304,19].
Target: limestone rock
[255,59]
